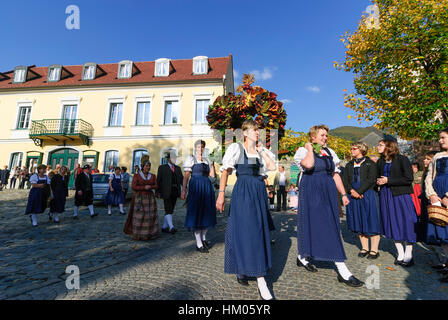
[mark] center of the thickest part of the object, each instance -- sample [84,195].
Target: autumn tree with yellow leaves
[399,58]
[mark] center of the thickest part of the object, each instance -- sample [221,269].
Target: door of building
[65,157]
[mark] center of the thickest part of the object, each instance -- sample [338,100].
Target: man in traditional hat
[169,179]
[84,192]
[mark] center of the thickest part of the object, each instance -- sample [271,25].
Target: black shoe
[277,210]
[407,264]
[165,230]
[308,267]
[262,296]
[75,218]
[351,282]
[49,216]
[398,262]
[242,281]
[202,249]
[362,254]
[206,244]
[272,242]
[443,271]
[93,215]
[173,231]
[123,213]
[373,256]
[440,266]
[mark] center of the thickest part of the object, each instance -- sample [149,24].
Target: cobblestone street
[113,266]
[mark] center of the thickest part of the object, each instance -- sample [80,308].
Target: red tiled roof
[183,71]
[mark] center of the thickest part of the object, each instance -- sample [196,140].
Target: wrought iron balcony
[60,130]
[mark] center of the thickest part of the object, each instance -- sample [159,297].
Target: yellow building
[109,114]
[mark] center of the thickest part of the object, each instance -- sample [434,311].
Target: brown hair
[40,167]
[362,146]
[249,124]
[315,129]
[201,142]
[391,150]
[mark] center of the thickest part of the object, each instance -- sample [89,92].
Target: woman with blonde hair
[398,215]
[248,248]
[318,226]
[363,215]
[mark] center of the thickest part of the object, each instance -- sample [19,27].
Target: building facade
[109,114]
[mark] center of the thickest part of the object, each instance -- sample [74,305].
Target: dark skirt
[57,204]
[201,204]
[85,199]
[436,235]
[398,216]
[142,221]
[248,248]
[37,201]
[318,226]
[115,197]
[363,215]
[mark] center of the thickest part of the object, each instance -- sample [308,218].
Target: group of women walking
[377,197]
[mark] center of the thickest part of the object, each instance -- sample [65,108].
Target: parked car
[100,186]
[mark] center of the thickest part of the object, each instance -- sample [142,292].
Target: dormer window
[20,74]
[162,68]
[200,65]
[54,73]
[89,71]
[125,69]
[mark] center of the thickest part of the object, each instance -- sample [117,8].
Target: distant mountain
[354,134]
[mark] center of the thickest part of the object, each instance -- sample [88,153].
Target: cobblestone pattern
[113,266]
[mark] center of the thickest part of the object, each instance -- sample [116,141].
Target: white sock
[75,211]
[264,290]
[408,253]
[197,235]
[109,208]
[121,207]
[34,219]
[343,270]
[303,260]
[91,209]
[169,220]
[55,216]
[203,234]
[165,223]
[400,250]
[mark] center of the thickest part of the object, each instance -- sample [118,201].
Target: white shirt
[302,152]
[113,175]
[282,180]
[190,161]
[234,156]
[34,179]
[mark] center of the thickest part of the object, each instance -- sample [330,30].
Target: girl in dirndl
[201,205]
[142,221]
[39,193]
[436,189]
[247,241]
[115,195]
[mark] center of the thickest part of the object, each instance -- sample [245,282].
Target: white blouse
[143,175]
[189,163]
[234,156]
[34,179]
[113,175]
[302,152]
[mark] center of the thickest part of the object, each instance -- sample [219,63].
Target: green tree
[400,66]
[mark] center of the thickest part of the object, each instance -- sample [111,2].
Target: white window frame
[200,61]
[137,113]
[201,96]
[172,97]
[165,150]
[22,71]
[133,158]
[110,101]
[28,116]
[128,65]
[162,67]
[20,160]
[57,74]
[86,75]
[105,157]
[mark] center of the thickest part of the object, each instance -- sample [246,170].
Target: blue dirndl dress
[436,235]
[363,215]
[201,203]
[37,198]
[318,226]
[398,216]
[117,196]
[247,241]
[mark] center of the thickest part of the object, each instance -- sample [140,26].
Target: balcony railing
[60,130]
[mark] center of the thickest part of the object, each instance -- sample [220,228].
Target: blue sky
[290,45]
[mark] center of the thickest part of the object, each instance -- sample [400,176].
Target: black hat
[86,166]
[388,137]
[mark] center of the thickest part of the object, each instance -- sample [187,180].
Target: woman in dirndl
[363,216]
[436,190]
[39,193]
[59,188]
[142,221]
[247,241]
[115,195]
[398,215]
[318,226]
[201,205]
